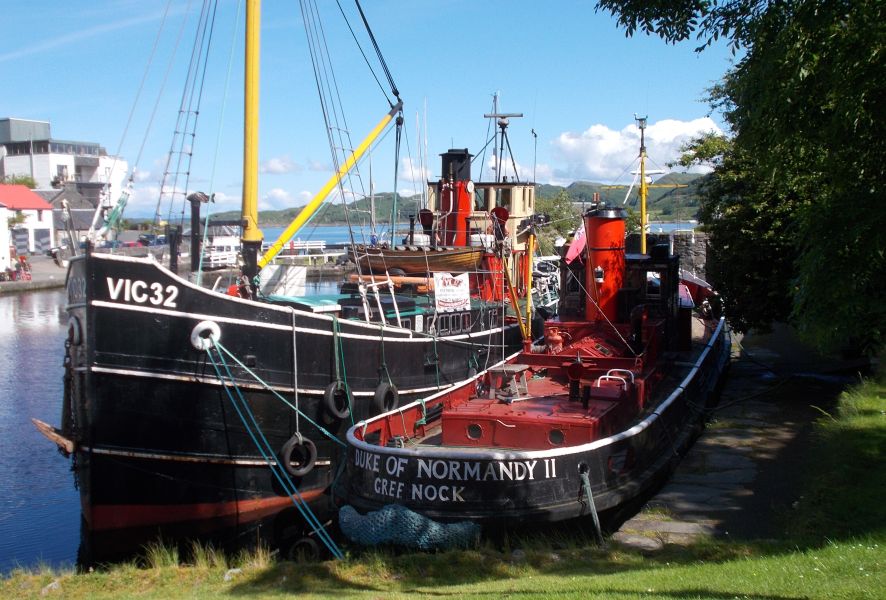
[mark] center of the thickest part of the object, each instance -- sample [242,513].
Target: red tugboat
[592,420]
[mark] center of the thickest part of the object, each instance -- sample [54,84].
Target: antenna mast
[502,122]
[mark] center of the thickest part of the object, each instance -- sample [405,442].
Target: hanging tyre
[298,455]
[386,398]
[304,549]
[337,400]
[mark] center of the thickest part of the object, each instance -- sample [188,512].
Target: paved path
[743,473]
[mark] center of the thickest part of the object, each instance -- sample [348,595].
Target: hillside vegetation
[664,203]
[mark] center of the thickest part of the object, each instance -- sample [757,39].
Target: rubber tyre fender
[386,398]
[304,549]
[331,400]
[298,447]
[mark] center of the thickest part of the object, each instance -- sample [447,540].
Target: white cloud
[320,167]
[276,199]
[602,154]
[280,165]
[143,201]
[139,175]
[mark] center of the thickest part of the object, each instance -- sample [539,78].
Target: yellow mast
[641,123]
[251,236]
[312,206]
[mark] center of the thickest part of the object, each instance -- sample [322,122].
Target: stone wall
[692,247]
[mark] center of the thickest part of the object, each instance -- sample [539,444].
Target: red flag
[577,245]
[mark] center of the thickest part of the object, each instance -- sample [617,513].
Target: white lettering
[157,298]
[443,493]
[395,465]
[173,294]
[114,287]
[137,291]
[365,460]
[138,295]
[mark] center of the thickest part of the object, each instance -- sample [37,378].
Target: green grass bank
[833,546]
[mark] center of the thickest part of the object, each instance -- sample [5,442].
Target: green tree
[708,149]
[800,185]
[26,180]
[564,218]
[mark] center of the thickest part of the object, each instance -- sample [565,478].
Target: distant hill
[664,203]
[334,212]
[668,204]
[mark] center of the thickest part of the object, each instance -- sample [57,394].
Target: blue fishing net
[395,524]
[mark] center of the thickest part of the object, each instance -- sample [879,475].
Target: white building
[27,148]
[33,227]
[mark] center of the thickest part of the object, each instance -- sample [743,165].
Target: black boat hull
[158,438]
[501,487]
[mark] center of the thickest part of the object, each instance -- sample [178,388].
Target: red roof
[20,197]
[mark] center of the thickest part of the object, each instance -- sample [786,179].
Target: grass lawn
[835,547]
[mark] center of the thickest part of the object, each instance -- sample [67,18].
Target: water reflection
[39,509]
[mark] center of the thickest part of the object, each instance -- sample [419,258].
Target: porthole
[556,437]
[475,432]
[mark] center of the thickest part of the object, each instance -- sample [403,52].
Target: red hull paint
[124,516]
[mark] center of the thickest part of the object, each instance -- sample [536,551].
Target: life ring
[386,398]
[204,334]
[337,400]
[301,451]
[75,332]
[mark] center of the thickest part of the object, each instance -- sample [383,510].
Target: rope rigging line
[160,92]
[185,132]
[218,138]
[363,54]
[120,205]
[319,427]
[141,87]
[265,449]
[381,59]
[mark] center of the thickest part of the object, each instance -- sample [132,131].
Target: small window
[466,322]
[443,324]
[456,324]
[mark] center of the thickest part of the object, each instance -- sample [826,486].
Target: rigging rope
[264,447]
[185,132]
[275,393]
[381,59]
[218,138]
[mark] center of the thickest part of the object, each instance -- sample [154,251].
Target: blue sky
[572,73]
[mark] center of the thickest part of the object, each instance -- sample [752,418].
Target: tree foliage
[794,209]
[25,180]
[564,218]
[707,149]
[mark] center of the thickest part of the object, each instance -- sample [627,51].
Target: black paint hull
[509,487]
[158,438]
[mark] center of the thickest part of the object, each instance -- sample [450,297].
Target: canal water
[39,507]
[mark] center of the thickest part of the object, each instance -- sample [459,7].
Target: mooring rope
[586,484]
[267,452]
[319,427]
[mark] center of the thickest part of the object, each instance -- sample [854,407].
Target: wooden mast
[251,236]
